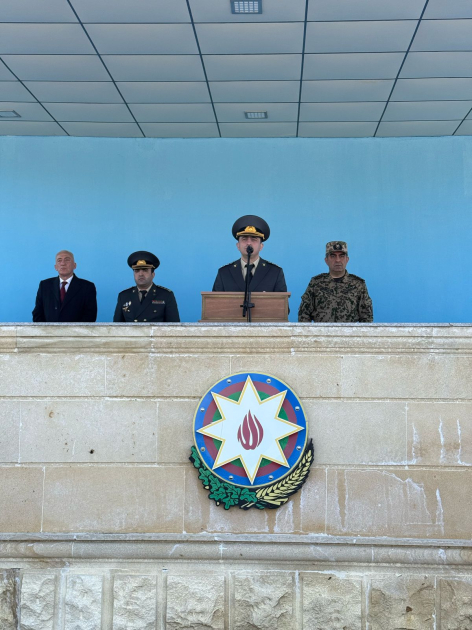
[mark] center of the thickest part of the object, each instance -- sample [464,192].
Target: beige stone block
[113,499]
[8,338]
[88,431]
[310,375]
[9,599]
[164,375]
[440,434]
[37,601]
[134,602]
[175,430]
[399,503]
[347,432]
[456,604]
[52,375]
[313,502]
[263,601]
[195,602]
[407,376]
[20,499]
[331,602]
[10,430]
[402,602]
[83,602]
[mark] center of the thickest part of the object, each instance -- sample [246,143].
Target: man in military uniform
[253,231]
[337,296]
[146,302]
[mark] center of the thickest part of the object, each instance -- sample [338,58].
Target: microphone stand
[247,293]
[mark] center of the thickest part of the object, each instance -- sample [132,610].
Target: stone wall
[105,524]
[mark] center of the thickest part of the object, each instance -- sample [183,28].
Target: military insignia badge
[251,446]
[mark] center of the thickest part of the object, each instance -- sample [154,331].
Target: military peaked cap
[250,225]
[143,260]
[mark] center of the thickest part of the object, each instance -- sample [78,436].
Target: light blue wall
[403,205]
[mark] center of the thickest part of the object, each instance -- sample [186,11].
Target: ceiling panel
[344,91]
[25,128]
[337,129]
[147,39]
[253,67]
[5,74]
[57,67]
[347,112]
[433,90]
[443,35]
[277,112]
[14,91]
[165,92]
[465,129]
[68,92]
[27,111]
[352,66]
[417,128]
[255,91]
[180,130]
[155,67]
[448,9]
[329,10]
[259,130]
[174,112]
[428,110]
[437,64]
[233,39]
[135,11]
[89,112]
[328,37]
[34,11]
[37,39]
[272,11]
[100,129]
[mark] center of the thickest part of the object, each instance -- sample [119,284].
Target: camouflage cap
[336,246]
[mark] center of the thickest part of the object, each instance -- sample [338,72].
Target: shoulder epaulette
[352,275]
[161,287]
[267,262]
[320,275]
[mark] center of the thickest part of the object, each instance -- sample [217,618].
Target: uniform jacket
[267,277]
[80,302]
[159,305]
[327,300]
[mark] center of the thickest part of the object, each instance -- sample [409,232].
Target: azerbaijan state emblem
[251,446]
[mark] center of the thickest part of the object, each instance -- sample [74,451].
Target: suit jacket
[267,277]
[159,305]
[80,302]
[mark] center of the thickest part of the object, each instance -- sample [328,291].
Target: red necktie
[63,290]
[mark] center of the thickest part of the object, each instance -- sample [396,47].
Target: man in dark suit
[252,231]
[65,298]
[146,302]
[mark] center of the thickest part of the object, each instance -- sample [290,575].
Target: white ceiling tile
[68,92]
[259,130]
[277,112]
[27,111]
[165,92]
[174,112]
[34,11]
[89,112]
[427,110]
[358,36]
[347,112]
[37,39]
[150,39]
[14,91]
[437,64]
[345,91]
[465,129]
[255,91]
[443,35]
[221,39]
[5,74]
[272,11]
[253,67]
[448,9]
[180,130]
[103,130]
[336,129]
[417,128]
[352,66]
[110,11]
[57,67]
[25,128]
[432,90]
[329,10]
[155,67]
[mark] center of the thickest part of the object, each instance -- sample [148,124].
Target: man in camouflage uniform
[337,296]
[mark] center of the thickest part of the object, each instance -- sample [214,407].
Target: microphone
[249,250]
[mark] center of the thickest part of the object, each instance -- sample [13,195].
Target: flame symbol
[250,432]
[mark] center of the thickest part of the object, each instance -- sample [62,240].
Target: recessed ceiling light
[256,114]
[246,6]
[9,114]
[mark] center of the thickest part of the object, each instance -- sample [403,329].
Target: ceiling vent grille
[256,114]
[246,6]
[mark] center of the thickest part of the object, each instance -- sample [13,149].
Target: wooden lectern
[225,306]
